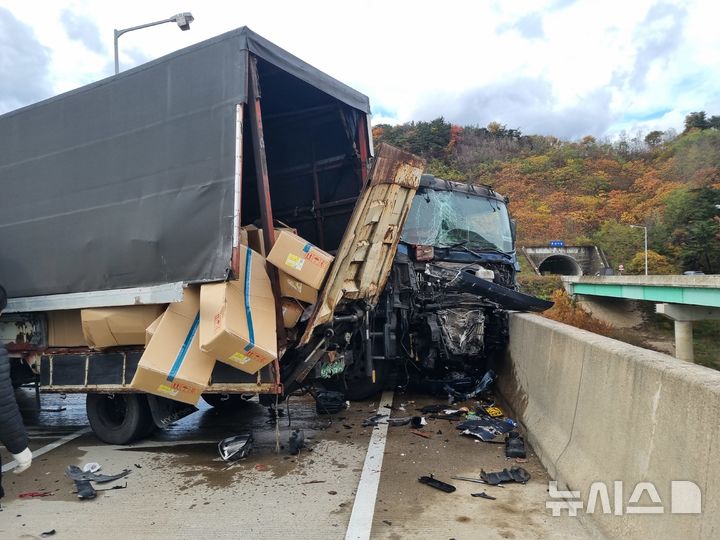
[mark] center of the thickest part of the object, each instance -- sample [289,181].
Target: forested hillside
[591,191]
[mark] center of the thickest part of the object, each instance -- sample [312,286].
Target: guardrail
[617,421]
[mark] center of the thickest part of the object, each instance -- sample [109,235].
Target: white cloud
[589,67]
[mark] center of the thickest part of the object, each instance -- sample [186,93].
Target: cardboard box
[150,330]
[65,329]
[114,326]
[292,310]
[173,366]
[256,241]
[300,259]
[292,288]
[237,318]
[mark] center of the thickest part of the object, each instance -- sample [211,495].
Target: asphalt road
[179,487]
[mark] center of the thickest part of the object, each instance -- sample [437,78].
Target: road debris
[236,447]
[486,428]
[437,484]
[374,420]
[35,494]
[514,445]
[418,422]
[329,402]
[483,495]
[458,395]
[423,434]
[476,480]
[45,534]
[296,442]
[515,474]
[494,411]
[83,479]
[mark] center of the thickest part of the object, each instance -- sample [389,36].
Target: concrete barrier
[599,410]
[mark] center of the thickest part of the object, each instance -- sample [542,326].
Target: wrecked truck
[135,191]
[442,317]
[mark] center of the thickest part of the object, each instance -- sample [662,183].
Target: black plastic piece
[515,474]
[514,445]
[84,489]
[483,495]
[329,402]
[76,473]
[437,484]
[466,281]
[236,447]
[296,442]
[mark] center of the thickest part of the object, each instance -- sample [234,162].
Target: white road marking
[364,507]
[48,447]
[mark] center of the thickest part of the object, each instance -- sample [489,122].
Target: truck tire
[119,418]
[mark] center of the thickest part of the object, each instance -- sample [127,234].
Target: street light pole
[644,228]
[183,21]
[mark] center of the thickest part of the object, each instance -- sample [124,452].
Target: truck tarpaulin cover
[129,181]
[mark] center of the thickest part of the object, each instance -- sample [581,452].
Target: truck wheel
[119,418]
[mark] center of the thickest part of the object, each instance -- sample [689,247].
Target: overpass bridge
[683,299]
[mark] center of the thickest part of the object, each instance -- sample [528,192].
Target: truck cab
[444,309]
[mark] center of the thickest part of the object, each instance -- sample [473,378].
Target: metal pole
[117,33]
[646,252]
[263,186]
[117,61]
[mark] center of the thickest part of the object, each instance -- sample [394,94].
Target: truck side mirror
[513,229]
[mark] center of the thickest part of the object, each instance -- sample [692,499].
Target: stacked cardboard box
[237,318]
[302,268]
[232,322]
[116,326]
[173,365]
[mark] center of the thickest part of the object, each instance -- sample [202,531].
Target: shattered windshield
[450,218]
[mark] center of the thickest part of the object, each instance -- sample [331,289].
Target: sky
[554,67]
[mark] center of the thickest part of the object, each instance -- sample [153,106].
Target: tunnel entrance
[561,265]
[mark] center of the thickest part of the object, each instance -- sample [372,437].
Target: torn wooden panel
[364,260]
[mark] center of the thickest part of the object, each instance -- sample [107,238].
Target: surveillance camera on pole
[183,20]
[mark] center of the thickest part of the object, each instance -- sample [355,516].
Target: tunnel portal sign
[557,243]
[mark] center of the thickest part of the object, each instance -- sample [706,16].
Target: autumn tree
[657,264]
[654,138]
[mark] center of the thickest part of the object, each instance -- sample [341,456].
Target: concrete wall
[597,409]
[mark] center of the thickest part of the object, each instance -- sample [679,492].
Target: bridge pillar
[684,341]
[683,315]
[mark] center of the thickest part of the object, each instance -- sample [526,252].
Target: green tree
[619,241]
[657,264]
[696,120]
[692,224]
[654,138]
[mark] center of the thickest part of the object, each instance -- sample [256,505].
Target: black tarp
[129,181]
